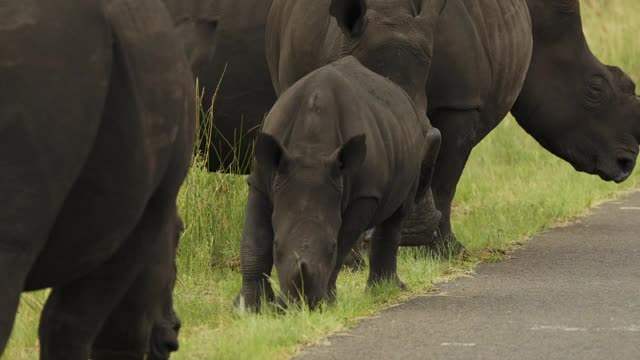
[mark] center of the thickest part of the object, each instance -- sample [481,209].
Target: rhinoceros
[490,57]
[393,38]
[96,134]
[579,109]
[342,150]
[224,41]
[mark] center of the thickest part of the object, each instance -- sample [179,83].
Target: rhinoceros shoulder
[482,51]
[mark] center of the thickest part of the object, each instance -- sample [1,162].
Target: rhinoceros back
[356,101]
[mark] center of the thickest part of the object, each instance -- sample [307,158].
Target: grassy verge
[511,190]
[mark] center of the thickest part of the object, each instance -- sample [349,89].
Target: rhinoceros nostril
[626,164]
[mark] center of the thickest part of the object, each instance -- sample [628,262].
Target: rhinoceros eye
[597,91]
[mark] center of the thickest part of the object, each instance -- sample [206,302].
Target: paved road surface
[570,293]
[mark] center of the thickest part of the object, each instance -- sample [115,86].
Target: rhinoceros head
[307,195]
[394,38]
[583,111]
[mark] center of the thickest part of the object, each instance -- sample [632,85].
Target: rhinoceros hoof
[394,280]
[163,341]
[401,285]
[250,300]
[445,247]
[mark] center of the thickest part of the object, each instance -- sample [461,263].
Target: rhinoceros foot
[252,295]
[164,337]
[443,247]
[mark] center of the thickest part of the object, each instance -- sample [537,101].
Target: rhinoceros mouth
[625,166]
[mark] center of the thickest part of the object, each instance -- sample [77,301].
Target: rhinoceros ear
[622,80]
[269,153]
[349,14]
[350,156]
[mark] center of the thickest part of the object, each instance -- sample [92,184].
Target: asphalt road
[570,293]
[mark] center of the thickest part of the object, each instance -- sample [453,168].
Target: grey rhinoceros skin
[224,41]
[96,136]
[342,151]
[474,58]
[393,38]
[482,50]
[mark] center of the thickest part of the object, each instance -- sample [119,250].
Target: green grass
[511,190]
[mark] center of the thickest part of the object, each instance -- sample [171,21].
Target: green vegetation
[511,189]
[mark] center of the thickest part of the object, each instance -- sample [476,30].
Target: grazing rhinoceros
[468,97]
[392,38]
[341,151]
[96,134]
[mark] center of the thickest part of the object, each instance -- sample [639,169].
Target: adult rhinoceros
[224,41]
[96,134]
[576,107]
[477,70]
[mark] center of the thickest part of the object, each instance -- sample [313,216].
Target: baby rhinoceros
[343,150]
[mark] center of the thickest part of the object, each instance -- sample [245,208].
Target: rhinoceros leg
[458,134]
[164,334]
[14,266]
[256,252]
[383,251]
[355,221]
[25,214]
[75,312]
[149,302]
[126,332]
[10,297]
